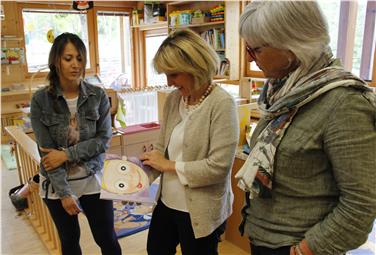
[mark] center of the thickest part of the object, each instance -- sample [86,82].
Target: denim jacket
[50,121]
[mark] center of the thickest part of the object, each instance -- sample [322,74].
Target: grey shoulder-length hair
[298,26]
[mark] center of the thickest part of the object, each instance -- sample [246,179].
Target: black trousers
[170,227]
[100,216]
[259,250]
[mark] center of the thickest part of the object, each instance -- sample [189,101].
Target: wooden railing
[27,158]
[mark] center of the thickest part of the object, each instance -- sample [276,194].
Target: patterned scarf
[279,103]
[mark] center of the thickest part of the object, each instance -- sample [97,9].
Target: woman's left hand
[156,160]
[301,249]
[53,159]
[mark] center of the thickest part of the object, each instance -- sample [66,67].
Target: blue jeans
[100,215]
[170,227]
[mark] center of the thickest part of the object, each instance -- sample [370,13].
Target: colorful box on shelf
[184,18]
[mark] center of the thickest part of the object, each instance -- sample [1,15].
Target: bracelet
[298,250]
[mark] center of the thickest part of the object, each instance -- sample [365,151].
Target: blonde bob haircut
[184,51]
[298,26]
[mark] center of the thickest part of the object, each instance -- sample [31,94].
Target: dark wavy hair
[55,55]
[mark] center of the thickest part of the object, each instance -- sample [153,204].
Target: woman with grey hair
[310,176]
[195,151]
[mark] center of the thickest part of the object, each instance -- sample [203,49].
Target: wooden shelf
[227,81]
[11,108]
[229,26]
[199,25]
[221,77]
[18,92]
[11,38]
[158,25]
[8,64]
[181,2]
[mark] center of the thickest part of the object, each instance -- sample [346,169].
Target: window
[152,42]
[37,22]
[355,20]
[331,10]
[114,49]
[352,33]
[367,54]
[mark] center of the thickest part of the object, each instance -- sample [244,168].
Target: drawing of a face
[123,177]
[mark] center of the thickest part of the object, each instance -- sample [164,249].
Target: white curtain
[140,106]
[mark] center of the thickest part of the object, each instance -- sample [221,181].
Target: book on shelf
[224,67]
[215,37]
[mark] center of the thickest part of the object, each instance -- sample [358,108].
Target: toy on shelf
[180,18]
[174,18]
[199,17]
[12,56]
[185,17]
[154,12]
[159,12]
[217,13]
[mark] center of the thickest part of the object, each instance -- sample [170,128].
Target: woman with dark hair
[72,125]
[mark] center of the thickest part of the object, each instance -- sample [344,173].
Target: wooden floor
[19,237]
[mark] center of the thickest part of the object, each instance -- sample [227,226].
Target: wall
[11,26]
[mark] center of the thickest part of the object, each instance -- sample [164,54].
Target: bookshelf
[220,31]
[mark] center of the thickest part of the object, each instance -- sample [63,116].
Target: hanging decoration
[82,5]
[50,36]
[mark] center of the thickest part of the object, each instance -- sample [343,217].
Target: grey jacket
[324,181]
[209,146]
[50,120]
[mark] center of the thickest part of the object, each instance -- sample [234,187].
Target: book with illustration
[127,180]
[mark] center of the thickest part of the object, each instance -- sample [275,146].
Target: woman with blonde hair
[195,151]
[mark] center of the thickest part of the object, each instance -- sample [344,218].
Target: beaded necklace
[191,108]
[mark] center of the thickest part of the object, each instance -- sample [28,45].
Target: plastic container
[184,19]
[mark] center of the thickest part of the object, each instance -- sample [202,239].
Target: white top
[173,190]
[86,186]
[72,104]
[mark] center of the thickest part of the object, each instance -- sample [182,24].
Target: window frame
[345,47]
[151,33]
[97,9]
[139,35]
[369,35]
[52,7]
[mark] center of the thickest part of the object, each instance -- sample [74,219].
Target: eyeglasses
[252,51]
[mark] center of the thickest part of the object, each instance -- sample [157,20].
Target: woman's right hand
[70,205]
[53,159]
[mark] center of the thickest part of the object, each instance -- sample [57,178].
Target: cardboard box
[157,19]
[200,20]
